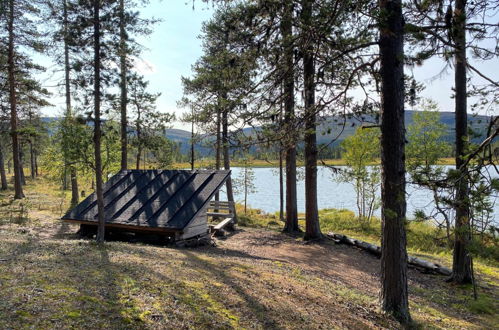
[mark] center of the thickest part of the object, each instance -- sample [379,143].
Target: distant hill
[333,126]
[328,129]
[174,134]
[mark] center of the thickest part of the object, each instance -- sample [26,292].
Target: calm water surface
[330,194]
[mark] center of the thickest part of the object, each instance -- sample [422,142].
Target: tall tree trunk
[139,145]
[289,118]
[461,265]
[36,164]
[3,177]
[65,177]
[137,158]
[245,189]
[226,153]
[281,169]
[394,295]
[123,88]
[18,188]
[312,226]
[32,160]
[67,83]
[218,150]
[281,186]
[97,125]
[21,166]
[192,142]
[74,187]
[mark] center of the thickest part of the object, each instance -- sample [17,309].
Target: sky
[174,46]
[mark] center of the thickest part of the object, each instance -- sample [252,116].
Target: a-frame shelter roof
[152,199]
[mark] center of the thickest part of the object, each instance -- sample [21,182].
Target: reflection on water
[331,194]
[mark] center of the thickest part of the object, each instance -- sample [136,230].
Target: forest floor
[253,278]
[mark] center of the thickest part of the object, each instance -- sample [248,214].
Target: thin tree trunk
[21,166]
[226,154]
[65,176]
[123,89]
[192,142]
[461,266]
[32,160]
[218,150]
[73,174]
[97,125]
[36,164]
[18,189]
[289,117]
[138,130]
[312,226]
[74,187]
[139,147]
[281,186]
[138,156]
[394,294]
[3,177]
[245,189]
[281,170]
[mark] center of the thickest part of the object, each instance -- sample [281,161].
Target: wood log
[376,250]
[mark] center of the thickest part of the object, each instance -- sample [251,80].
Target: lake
[330,194]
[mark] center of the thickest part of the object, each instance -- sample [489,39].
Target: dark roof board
[167,199]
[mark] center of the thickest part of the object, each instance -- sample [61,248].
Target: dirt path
[339,263]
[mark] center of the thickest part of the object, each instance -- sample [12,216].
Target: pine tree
[22,35]
[220,83]
[441,29]
[394,294]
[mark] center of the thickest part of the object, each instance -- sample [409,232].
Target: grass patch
[483,305]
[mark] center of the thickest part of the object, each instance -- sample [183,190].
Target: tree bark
[123,89]
[226,153]
[74,187]
[312,226]
[3,177]
[289,118]
[192,142]
[18,189]
[73,174]
[281,169]
[36,164]
[97,125]
[65,177]
[461,266]
[218,149]
[21,166]
[281,186]
[32,160]
[139,145]
[394,295]
[245,189]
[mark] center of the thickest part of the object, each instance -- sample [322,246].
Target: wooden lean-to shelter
[174,203]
